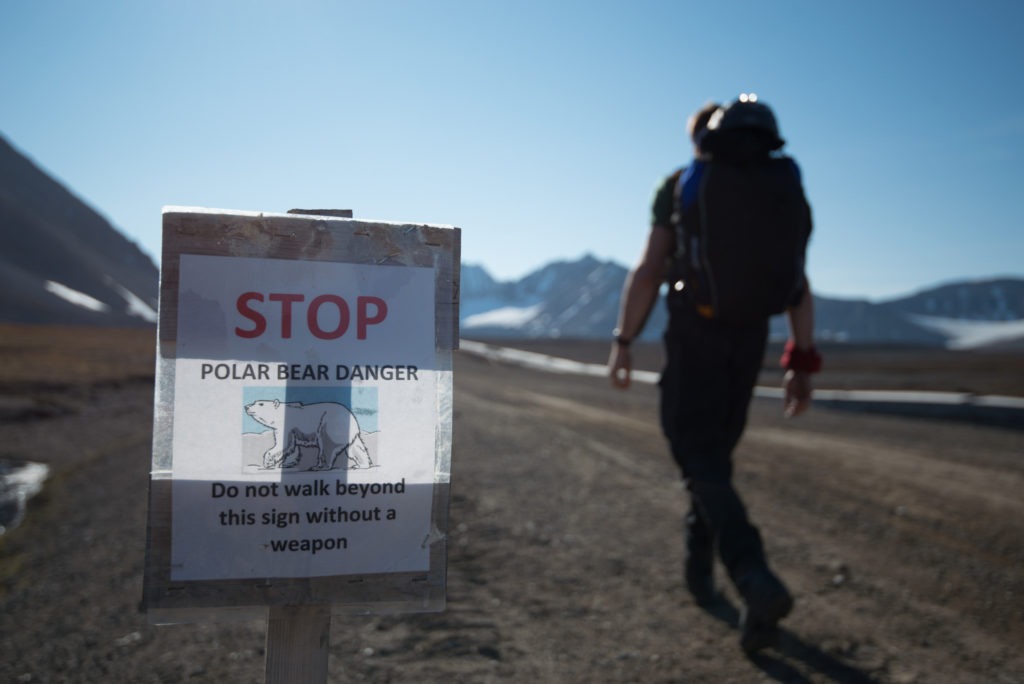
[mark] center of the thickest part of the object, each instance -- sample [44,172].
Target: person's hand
[796,387]
[620,364]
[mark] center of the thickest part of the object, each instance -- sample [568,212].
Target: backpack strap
[685,269]
[686,193]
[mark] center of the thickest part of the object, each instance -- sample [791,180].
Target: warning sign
[303,419]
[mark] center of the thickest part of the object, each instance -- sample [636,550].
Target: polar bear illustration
[328,427]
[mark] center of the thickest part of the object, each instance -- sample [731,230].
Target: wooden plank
[339,213]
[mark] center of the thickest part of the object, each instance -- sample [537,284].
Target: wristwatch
[620,340]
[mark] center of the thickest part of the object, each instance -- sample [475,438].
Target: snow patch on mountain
[136,306]
[72,296]
[503,317]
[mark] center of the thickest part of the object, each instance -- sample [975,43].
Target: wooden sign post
[297,644]
[302,432]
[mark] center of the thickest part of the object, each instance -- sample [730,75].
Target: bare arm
[797,385]
[639,294]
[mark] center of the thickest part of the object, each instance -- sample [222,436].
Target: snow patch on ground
[19,482]
[971,334]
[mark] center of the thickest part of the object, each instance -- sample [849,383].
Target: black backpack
[741,236]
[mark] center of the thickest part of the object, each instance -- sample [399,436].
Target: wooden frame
[312,238]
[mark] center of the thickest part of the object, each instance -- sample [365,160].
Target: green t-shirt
[664,201]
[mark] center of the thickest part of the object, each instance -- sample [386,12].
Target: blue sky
[539,127]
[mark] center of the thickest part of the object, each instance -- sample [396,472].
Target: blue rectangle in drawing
[296,429]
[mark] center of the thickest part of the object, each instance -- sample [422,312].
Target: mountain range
[579,299]
[63,263]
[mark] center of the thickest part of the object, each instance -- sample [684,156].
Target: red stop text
[326,316]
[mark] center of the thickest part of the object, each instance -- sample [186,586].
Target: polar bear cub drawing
[328,427]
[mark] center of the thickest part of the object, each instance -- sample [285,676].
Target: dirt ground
[902,539]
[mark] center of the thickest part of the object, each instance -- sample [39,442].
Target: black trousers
[706,386]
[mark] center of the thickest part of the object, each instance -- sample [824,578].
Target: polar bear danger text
[305,371]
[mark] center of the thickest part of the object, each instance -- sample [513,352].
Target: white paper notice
[305,407]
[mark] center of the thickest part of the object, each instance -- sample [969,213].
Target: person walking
[729,234]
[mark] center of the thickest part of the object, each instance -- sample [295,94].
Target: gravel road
[902,539]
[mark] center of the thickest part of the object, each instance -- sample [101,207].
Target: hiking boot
[766,601]
[756,635]
[699,564]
